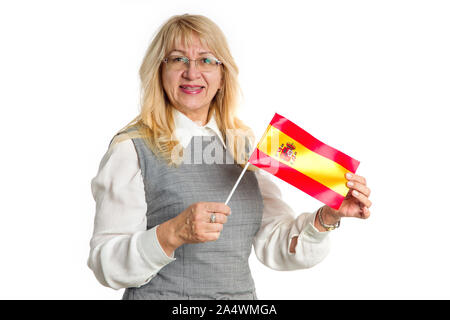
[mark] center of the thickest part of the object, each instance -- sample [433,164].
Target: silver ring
[212,218]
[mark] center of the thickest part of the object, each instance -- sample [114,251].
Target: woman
[162,230]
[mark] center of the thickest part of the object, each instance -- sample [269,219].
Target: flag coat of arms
[293,155]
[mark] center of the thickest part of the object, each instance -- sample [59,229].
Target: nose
[191,72]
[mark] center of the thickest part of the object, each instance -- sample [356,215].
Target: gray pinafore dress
[210,270]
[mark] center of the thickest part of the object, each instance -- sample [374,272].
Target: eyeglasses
[177,63]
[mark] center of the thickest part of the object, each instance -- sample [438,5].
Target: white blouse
[123,253]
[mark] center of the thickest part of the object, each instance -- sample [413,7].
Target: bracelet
[328,227]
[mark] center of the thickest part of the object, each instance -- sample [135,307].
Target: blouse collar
[185,128]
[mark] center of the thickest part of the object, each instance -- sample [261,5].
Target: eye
[207,61]
[180,59]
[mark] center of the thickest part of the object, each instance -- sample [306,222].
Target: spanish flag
[293,155]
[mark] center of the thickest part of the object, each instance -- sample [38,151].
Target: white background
[370,78]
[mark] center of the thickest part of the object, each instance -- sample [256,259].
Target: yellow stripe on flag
[311,164]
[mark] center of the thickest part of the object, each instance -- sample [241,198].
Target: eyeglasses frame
[218,62]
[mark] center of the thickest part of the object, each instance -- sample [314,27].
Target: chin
[192,105]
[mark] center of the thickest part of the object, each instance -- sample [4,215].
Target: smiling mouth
[192,90]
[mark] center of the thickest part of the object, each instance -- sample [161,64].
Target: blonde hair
[155,122]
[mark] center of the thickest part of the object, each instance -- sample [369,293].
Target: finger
[362,198]
[365,213]
[212,236]
[359,187]
[217,207]
[355,178]
[212,227]
[220,217]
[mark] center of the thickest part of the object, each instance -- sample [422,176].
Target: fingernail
[355,193]
[348,175]
[350,184]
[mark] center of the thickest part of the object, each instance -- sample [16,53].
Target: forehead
[190,45]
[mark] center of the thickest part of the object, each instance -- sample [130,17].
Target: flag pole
[237,182]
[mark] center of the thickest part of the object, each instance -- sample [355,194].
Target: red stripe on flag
[297,179]
[300,135]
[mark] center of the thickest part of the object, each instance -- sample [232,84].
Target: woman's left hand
[356,203]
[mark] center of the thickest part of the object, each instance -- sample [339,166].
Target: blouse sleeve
[123,253]
[279,225]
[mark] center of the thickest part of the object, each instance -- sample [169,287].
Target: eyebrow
[184,52]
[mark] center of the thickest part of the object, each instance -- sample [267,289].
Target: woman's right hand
[193,225]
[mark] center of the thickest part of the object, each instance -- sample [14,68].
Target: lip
[191,91]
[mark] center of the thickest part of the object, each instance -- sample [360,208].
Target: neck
[199,116]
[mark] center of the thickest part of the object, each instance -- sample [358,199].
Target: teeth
[191,88]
